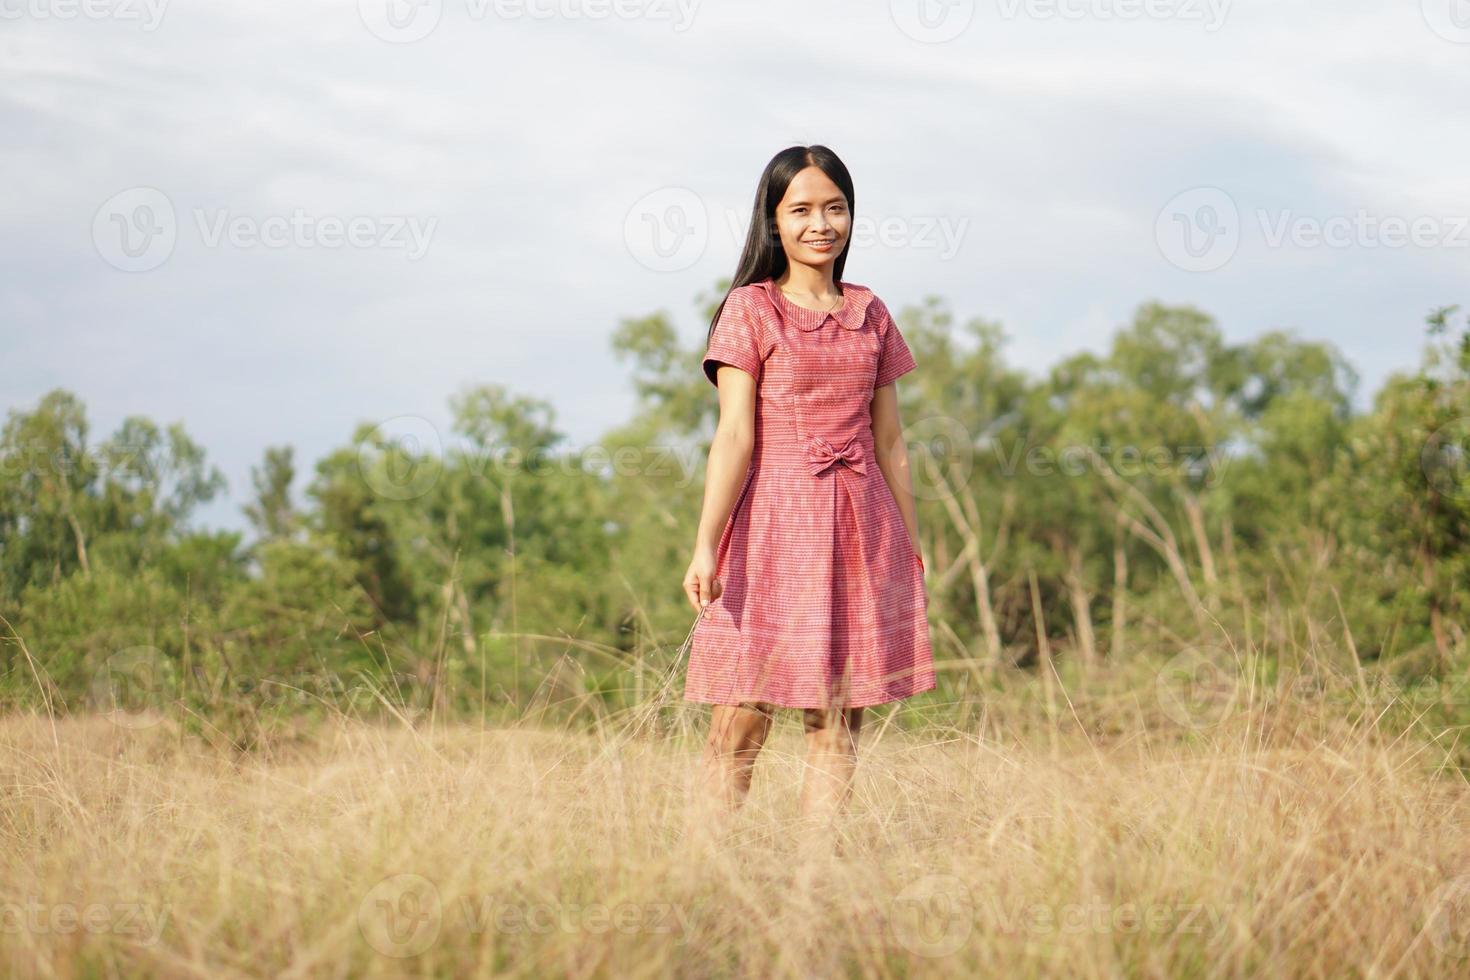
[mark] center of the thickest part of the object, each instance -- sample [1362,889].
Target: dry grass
[1268,843]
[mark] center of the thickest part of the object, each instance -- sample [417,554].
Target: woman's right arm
[724,474]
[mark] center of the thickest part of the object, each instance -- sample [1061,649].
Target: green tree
[66,505]
[271,513]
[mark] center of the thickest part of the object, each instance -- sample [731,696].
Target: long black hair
[763,256]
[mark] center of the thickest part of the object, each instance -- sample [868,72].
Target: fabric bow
[821,454]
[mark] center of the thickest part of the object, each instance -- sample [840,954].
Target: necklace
[840,298]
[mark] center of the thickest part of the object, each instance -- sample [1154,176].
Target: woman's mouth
[822,244]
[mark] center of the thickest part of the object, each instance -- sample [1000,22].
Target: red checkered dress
[824,603]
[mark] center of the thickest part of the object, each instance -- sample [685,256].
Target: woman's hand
[701,586]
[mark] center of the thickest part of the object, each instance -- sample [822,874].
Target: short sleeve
[736,338]
[894,357]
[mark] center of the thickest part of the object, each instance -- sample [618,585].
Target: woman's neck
[803,279]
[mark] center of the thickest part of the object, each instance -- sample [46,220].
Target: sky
[273,221]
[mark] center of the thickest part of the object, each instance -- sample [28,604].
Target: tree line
[1177,490]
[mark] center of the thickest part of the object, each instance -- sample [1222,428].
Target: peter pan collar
[850,314]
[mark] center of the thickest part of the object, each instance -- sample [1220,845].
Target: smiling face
[813,219]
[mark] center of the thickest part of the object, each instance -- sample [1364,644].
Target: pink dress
[824,602]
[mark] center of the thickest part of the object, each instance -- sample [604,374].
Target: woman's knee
[739,727]
[835,719]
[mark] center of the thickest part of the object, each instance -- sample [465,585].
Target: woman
[806,566]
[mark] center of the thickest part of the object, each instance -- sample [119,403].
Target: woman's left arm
[892,456]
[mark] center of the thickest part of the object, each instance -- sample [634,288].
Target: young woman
[806,566]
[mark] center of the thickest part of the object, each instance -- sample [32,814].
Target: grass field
[1278,837]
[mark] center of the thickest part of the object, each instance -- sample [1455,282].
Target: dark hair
[763,256]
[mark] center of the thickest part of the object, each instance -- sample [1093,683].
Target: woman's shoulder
[759,292]
[757,300]
[750,306]
[863,293]
[868,300]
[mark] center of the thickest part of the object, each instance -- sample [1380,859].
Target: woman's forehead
[812,191]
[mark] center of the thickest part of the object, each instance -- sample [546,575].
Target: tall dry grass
[1055,831]
[1131,822]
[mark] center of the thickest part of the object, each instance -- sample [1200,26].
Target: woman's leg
[736,734]
[831,740]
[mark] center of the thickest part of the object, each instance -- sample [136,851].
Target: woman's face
[813,219]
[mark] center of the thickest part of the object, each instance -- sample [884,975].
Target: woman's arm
[892,456]
[724,474]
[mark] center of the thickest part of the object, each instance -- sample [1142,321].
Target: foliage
[1124,506]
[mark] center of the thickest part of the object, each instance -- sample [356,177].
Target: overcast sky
[273,220]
